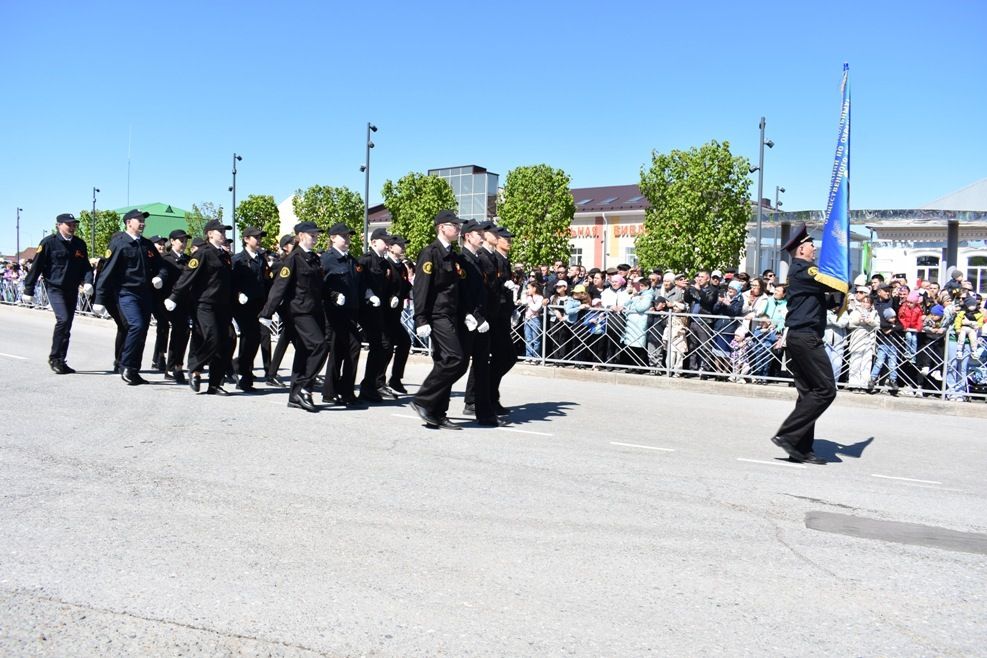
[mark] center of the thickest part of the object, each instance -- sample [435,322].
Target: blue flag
[834,254]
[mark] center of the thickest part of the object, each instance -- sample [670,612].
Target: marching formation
[206,301]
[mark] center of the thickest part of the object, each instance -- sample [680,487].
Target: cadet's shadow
[525,413]
[830,450]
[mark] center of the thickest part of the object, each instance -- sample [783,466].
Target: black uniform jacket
[207,278]
[130,264]
[297,284]
[63,263]
[437,282]
[808,299]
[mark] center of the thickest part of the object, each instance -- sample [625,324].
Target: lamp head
[769,144]
[238,157]
[370,144]
[372,127]
[752,169]
[229,189]
[781,189]
[363,168]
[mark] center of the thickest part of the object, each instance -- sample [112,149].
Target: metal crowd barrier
[709,347]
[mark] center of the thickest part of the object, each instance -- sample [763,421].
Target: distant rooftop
[605,199]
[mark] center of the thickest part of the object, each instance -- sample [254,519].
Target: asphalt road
[606,520]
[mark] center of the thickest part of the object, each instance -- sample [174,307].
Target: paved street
[607,520]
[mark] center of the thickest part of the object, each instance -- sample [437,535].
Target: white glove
[394,302]
[87,289]
[374,300]
[99,309]
[471,322]
[424,331]
[483,328]
[169,304]
[267,322]
[242,298]
[157,283]
[510,285]
[340,299]
[27,299]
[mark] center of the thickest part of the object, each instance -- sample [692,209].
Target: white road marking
[636,445]
[404,416]
[14,356]
[891,477]
[511,429]
[774,463]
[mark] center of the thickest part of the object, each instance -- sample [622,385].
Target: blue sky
[590,88]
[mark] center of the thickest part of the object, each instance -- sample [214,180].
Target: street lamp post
[236,158]
[778,191]
[92,245]
[365,168]
[17,256]
[760,193]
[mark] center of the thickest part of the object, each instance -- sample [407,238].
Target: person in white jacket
[863,323]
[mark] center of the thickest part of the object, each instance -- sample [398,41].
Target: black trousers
[286,337]
[178,341]
[503,356]
[378,354]
[250,338]
[63,302]
[477,349]
[813,372]
[162,327]
[114,310]
[309,339]
[400,344]
[216,345]
[343,341]
[449,363]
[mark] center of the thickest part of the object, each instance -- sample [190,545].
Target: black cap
[136,213]
[485,225]
[66,218]
[198,242]
[659,300]
[800,235]
[215,225]
[379,234]
[471,225]
[339,228]
[504,233]
[177,233]
[286,240]
[399,240]
[254,232]
[447,217]
[157,238]
[611,271]
[307,227]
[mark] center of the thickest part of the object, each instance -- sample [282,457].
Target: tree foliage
[197,218]
[700,207]
[326,205]
[260,210]
[413,203]
[108,222]
[538,208]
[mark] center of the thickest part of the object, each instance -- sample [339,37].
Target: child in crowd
[910,318]
[863,324]
[887,351]
[739,365]
[969,323]
[763,339]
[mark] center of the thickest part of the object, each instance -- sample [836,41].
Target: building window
[927,268]
[575,255]
[976,272]
[630,257]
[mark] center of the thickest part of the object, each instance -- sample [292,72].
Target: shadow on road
[830,450]
[524,413]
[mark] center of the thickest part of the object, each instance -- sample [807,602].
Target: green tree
[538,208]
[326,205]
[196,218]
[260,211]
[108,222]
[700,207]
[413,203]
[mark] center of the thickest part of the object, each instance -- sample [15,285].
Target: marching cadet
[251,278]
[287,243]
[502,354]
[296,295]
[342,294]
[133,268]
[476,342]
[207,281]
[379,284]
[393,316]
[63,259]
[160,315]
[808,301]
[175,260]
[487,256]
[438,316]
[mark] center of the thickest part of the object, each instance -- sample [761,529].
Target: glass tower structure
[475,189]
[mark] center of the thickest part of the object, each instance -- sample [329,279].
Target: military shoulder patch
[284,273]
[194,263]
[813,271]
[427,267]
[108,254]
[41,248]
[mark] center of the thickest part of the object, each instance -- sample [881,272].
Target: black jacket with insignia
[207,278]
[473,291]
[130,264]
[175,264]
[808,299]
[252,277]
[342,274]
[297,287]
[437,281]
[63,263]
